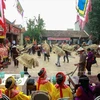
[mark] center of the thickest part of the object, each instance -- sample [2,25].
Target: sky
[57,14]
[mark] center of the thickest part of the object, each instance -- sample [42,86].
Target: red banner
[2,19]
[7,27]
[52,38]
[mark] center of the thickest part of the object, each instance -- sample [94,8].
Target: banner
[19,8]
[83,7]
[2,20]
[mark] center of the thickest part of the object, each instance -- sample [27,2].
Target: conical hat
[80,49]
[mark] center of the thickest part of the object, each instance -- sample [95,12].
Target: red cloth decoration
[0,94]
[62,86]
[41,81]
[2,17]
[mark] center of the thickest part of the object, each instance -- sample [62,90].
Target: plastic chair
[4,97]
[31,85]
[97,98]
[40,95]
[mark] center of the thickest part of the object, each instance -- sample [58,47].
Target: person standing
[94,61]
[89,60]
[82,61]
[66,56]
[33,49]
[46,56]
[39,51]
[15,53]
[58,61]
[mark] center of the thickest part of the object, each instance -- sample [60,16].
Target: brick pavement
[50,66]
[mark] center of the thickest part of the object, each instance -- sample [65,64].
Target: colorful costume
[42,83]
[61,90]
[84,92]
[12,92]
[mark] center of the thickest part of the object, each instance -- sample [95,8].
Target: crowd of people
[86,59]
[60,89]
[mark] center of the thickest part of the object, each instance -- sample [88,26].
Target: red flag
[2,18]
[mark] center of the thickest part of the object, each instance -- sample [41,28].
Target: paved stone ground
[50,66]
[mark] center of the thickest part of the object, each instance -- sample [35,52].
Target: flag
[83,7]
[2,19]
[19,8]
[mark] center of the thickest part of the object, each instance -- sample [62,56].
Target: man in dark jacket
[89,61]
[66,56]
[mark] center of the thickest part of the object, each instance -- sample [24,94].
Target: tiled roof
[65,33]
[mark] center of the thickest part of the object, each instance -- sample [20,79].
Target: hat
[61,75]
[80,49]
[42,72]
[83,78]
[10,82]
[39,45]
[14,46]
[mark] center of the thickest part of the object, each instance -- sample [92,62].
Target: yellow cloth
[47,87]
[66,93]
[19,96]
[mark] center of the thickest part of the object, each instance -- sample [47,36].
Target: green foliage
[94,20]
[35,28]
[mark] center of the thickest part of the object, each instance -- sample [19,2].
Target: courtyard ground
[50,66]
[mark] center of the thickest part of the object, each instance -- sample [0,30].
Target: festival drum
[40,95]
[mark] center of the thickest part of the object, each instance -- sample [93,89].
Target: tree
[39,29]
[94,20]
[35,28]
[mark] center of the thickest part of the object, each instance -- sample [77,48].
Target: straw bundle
[27,57]
[58,51]
[29,46]
[67,47]
[20,47]
[35,63]
[27,60]
[93,46]
[71,48]
[46,47]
